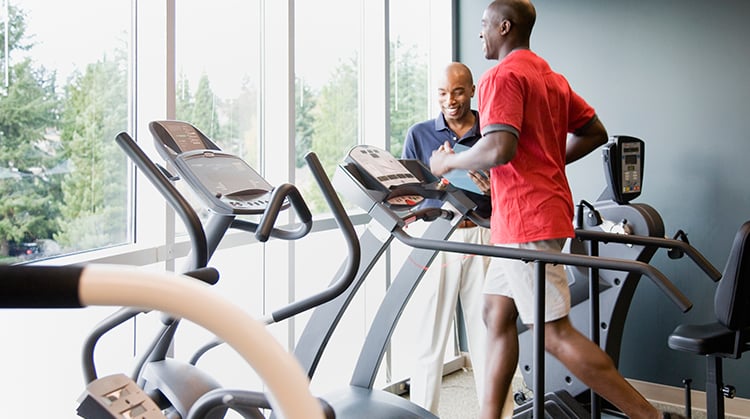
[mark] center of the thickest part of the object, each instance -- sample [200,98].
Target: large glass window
[327,79]
[409,67]
[217,58]
[73,75]
[63,97]
[218,87]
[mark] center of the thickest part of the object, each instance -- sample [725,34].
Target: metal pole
[594,315]
[538,345]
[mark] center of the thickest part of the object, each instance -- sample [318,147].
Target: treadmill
[389,190]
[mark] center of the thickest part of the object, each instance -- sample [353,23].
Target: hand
[439,160]
[482,179]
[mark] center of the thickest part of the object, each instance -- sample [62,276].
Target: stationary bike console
[225,183]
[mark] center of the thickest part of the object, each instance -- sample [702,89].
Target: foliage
[409,97]
[304,120]
[94,213]
[62,176]
[28,160]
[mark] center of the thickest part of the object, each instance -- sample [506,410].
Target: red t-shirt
[531,198]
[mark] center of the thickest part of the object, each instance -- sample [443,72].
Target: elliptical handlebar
[107,285]
[692,252]
[208,275]
[347,275]
[266,227]
[200,254]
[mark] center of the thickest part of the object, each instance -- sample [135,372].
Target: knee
[499,315]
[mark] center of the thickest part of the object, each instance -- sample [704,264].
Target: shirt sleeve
[501,104]
[409,151]
[580,112]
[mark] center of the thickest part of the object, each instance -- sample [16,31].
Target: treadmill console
[383,172]
[623,166]
[224,182]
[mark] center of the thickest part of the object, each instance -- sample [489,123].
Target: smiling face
[455,91]
[490,35]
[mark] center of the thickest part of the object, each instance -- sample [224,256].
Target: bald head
[455,90]
[506,25]
[521,13]
[458,72]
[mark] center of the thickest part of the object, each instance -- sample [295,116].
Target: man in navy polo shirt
[453,276]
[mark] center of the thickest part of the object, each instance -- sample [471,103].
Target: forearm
[585,141]
[494,149]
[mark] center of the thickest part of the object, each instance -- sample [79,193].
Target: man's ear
[505,26]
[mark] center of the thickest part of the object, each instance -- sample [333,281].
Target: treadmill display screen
[383,166]
[184,135]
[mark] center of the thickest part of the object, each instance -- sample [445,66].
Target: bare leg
[502,353]
[595,368]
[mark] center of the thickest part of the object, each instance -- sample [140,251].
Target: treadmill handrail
[199,255]
[661,281]
[693,253]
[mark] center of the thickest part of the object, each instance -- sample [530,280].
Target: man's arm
[584,141]
[494,149]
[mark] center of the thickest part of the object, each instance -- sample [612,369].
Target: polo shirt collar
[441,125]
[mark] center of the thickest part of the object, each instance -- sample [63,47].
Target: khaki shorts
[515,279]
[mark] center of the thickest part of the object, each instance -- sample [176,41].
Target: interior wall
[673,73]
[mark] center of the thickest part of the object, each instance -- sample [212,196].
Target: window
[241,69]
[218,72]
[62,178]
[327,85]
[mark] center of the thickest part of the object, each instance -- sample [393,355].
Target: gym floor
[458,399]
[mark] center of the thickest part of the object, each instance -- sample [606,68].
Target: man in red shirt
[532,124]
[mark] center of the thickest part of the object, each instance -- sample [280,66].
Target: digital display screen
[631,168]
[225,174]
[383,166]
[184,135]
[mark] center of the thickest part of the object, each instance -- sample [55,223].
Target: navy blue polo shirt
[425,137]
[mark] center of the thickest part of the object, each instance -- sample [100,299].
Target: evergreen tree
[304,120]
[95,191]
[409,97]
[183,99]
[28,105]
[336,123]
[204,115]
[238,119]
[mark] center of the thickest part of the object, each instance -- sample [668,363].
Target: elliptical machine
[228,187]
[55,287]
[601,306]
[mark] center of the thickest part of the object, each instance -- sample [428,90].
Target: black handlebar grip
[279,194]
[208,275]
[39,286]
